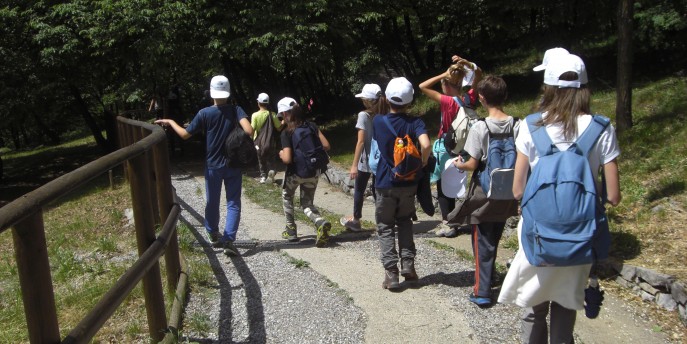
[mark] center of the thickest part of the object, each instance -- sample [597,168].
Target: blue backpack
[496,174]
[373,158]
[309,157]
[563,220]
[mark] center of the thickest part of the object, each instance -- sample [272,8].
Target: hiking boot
[214,237]
[593,299]
[270,176]
[408,270]
[351,224]
[480,301]
[323,227]
[290,233]
[391,279]
[230,249]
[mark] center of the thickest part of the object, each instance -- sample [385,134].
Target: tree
[623,107]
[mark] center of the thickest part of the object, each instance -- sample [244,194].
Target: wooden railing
[145,157]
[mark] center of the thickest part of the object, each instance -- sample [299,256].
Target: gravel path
[263,296]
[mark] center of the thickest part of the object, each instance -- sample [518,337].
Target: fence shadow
[254,308]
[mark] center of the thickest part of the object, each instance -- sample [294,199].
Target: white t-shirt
[526,285]
[604,151]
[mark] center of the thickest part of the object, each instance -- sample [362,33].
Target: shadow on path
[256,314]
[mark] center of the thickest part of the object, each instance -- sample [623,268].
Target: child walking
[293,136]
[487,217]
[395,202]
[461,73]
[557,291]
[258,121]
[374,103]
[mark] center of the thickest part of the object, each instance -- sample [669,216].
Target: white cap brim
[219,94]
[539,68]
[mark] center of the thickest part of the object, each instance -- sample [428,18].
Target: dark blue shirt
[216,123]
[403,124]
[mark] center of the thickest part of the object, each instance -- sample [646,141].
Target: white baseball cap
[370,91]
[219,87]
[548,56]
[263,98]
[399,91]
[562,64]
[453,180]
[285,104]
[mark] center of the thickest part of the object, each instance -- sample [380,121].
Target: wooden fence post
[145,235]
[35,280]
[165,199]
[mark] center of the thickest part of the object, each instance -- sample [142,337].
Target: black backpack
[239,148]
[309,155]
[266,140]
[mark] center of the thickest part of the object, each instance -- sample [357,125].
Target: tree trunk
[88,118]
[623,106]
[410,36]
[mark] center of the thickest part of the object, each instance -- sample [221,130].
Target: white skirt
[526,285]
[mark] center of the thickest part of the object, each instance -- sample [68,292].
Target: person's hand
[353,172]
[162,122]
[281,152]
[457,59]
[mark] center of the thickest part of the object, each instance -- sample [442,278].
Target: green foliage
[661,24]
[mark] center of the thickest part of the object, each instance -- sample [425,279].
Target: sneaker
[219,243]
[480,301]
[214,237]
[290,233]
[391,279]
[270,176]
[230,249]
[450,232]
[444,230]
[593,299]
[408,270]
[323,227]
[263,180]
[351,224]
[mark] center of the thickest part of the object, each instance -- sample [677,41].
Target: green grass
[297,262]
[86,242]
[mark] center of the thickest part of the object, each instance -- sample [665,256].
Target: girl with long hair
[375,103]
[558,291]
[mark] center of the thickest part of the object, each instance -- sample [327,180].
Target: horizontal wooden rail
[35,200]
[146,159]
[108,304]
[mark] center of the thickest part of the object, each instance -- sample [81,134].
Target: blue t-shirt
[216,123]
[403,124]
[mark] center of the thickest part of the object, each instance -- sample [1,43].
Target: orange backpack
[407,159]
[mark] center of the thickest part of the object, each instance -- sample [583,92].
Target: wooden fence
[145,158]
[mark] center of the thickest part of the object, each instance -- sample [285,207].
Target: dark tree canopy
[73,64]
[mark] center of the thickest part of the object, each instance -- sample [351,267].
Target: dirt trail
[434,318]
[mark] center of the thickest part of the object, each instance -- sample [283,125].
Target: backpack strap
[586,141]
[388,125]
[462,102]
[542,141]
